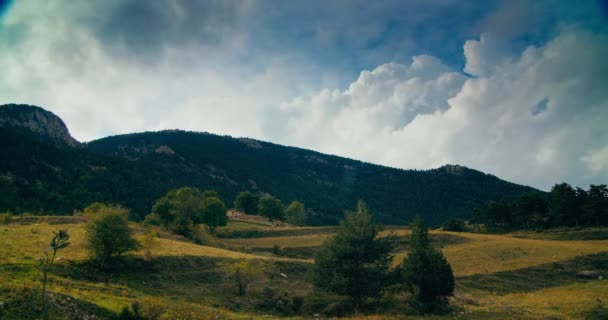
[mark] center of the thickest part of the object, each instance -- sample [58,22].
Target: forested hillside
[39,175]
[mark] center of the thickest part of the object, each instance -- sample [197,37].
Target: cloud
[537,118]
[523,102]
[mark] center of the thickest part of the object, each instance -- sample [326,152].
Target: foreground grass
[498,276]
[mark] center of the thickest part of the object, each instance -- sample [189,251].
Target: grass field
[513,276]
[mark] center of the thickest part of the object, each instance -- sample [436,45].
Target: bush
[244,272]
[108,235]
[132,313]
[453,224]
[281,303]
[152,219]
[6,218]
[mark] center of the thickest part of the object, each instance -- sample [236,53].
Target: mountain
[42,174]
[38,121]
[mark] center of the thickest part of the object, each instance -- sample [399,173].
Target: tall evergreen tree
[355,261]
[426,273]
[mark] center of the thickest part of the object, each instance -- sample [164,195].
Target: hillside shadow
[538,277]
[193,278]
[25,303]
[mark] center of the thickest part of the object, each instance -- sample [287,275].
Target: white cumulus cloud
[537,118]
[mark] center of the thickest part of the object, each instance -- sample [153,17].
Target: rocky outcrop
[38,121]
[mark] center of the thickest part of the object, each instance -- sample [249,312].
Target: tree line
[563,206]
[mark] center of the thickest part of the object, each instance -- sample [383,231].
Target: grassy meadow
[511,276]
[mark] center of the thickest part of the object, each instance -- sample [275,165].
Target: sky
[518,89]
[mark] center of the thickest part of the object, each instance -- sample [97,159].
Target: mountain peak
[36,120]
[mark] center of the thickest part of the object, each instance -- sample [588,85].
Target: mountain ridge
[135,169]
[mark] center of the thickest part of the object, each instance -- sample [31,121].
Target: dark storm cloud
[145,27]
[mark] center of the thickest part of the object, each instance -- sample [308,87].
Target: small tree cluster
[180,209]
[355,262]
[108,235]
[270,207]
[564,206]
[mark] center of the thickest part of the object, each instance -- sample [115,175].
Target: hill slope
[136,169]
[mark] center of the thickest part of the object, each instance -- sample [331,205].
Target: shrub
[147,243]
[132,313]
[152,219]
[6,218]
[454,224]
[244,272]
[108,235]
[281,303]
[276,249]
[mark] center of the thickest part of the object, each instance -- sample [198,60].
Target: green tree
[596,205]
[59,241]
[181,208]
[108,235]
[355,261]
[426,273]
[564,206]
[296,214]
[246,202]
[214,213]
[271,208]
[531,211]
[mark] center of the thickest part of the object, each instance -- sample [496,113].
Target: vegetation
[355,261]
[180,209]
[214,213]
[499,276]
[58,242]
[564,207]
[426,273]
[244,272]
[246,202]
[296,214]
[135,170]
[271,208]
[453,224]
[108,235]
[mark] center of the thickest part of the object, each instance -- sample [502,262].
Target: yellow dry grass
[565,302]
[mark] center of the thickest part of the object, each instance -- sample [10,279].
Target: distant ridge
[42,175]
